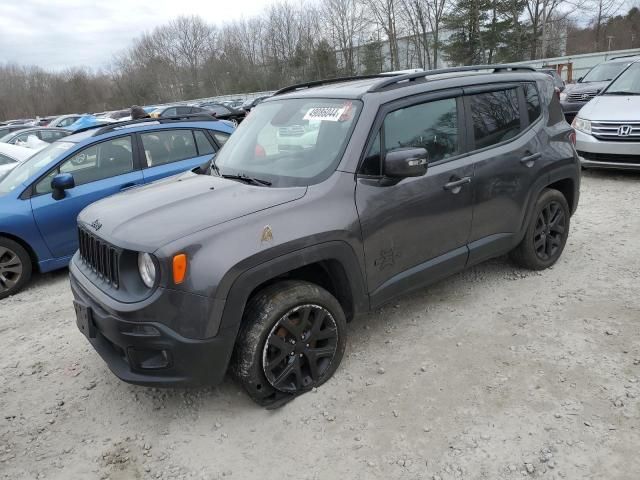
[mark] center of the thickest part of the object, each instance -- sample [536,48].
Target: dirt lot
[496,373]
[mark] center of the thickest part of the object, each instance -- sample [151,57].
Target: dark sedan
[223,112]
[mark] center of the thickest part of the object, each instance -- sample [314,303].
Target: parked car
[608,127]
[173,111]
[46,134]
[6,129]
[41,198]
[64,121]
[87,121]
[260,263]
[10,157]
[45,121]
[253,102]
[575,96]
[558,82]
[224,112]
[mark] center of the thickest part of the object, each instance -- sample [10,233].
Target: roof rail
[410,77]
[104,128]
[317,83]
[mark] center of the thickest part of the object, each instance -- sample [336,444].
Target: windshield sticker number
[327,114]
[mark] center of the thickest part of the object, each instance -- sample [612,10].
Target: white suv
[608,127]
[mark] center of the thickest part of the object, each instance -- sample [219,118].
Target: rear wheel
[15,267]
[546,234]
[292,339]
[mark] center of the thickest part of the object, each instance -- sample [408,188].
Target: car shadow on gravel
[363,333]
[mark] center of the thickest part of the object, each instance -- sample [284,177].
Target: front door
[415,231]
[99,171]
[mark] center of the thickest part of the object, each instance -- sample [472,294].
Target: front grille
[581,96]
[616,131]
[100,257]
[610,157]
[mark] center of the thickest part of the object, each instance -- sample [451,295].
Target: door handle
[128,186]
[529,160]
[456,185]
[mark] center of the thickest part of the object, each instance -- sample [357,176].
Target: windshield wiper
[250,180]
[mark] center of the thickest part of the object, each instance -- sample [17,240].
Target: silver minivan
[608,127]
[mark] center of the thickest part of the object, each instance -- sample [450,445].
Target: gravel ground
[495,373]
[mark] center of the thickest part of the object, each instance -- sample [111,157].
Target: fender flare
[245,283]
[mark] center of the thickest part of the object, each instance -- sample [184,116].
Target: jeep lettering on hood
[148,217]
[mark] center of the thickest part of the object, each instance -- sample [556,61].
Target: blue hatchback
[41,198]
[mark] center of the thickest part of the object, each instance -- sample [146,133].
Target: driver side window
[97,162]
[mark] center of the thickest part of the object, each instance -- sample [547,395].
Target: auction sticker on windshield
[329,114]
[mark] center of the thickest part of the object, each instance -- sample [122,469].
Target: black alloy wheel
[549,231]
[300,348]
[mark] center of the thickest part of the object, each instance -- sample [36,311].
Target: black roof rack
[410,77]
[317,83]
[104,128]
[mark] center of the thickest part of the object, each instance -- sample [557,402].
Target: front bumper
[148,352]
[596,153]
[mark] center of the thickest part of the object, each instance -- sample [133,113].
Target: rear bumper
[151,354]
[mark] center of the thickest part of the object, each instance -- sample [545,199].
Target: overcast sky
[55,34]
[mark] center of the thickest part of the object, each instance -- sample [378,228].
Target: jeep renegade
[331,199]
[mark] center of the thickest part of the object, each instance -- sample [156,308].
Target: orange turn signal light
[179,268]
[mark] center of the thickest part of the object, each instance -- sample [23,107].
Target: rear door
[169,152]
[99,171]
[504,121]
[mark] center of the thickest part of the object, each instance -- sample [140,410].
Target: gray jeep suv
[331,199]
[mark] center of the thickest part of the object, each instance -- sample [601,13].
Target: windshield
[33,165]
[605,72]
[295,142]
[626,84]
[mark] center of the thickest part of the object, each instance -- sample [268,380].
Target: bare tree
[384,12]
[346,20]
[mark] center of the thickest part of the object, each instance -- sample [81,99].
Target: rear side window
[533,101]
[51,135]
[5,160]
[496,116]
[221,137]
[168,146]
[204,145]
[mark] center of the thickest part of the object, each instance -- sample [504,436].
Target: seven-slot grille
[101,257]
[616,131]
[581,96]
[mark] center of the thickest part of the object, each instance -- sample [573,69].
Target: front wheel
[15,267]
[292,339]
[546,233]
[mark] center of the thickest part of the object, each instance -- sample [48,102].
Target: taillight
[572,137]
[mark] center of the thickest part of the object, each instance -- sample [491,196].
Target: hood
[585,87]
[149,217]
[614,108]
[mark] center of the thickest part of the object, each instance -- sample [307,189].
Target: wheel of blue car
[15,267]
[292,339]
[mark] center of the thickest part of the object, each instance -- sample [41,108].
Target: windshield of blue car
[626,84]
[290,142]
[605,72]
[33,165]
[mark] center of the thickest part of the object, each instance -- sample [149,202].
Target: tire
[276,314]
[15,267]
[546,233]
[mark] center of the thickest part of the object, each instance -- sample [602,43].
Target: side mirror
[406,162]
[60,183]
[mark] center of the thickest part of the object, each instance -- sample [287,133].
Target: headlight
[582,125]
[147,269]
